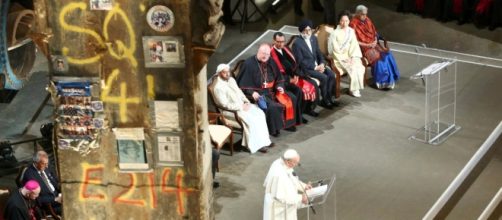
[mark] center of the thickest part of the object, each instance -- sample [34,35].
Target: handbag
[372,55]
[262,104]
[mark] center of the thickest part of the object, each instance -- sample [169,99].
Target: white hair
[222,67]
[290,154]
[39,155]
[361,8]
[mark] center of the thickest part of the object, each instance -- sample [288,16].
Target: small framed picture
[101,4]
[169,149]
[163,51]
[131,149]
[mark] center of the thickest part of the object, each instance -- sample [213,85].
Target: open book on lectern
[317,191]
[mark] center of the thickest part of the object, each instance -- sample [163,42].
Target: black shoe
[305,121]
[292,129]
[216,185]
[335,103]
[326,105]
[312,113]
[271,145]
[246,149]
[276,134]
[263,150]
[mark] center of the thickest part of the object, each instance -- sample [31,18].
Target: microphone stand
[306,195]
[308,201]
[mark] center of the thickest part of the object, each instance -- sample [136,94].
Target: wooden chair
[20,174]
[236,70]
[50,213]
[322,33]
[219,132]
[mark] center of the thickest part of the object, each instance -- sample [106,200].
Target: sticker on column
[160,18]
[101,5]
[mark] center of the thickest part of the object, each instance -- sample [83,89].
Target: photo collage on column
[79,115]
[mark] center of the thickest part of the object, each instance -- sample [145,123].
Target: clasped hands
[320,68]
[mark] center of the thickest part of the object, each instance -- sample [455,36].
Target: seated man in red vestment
[304,91]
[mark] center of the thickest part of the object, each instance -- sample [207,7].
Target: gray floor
[380,173]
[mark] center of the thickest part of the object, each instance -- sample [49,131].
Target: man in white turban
[230,96]
[283,190]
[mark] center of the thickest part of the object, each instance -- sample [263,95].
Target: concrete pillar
[107,46]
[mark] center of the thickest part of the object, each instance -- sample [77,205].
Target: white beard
[306,37]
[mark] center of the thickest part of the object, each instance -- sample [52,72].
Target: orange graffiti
[93,174]
[153,197]
[179,189]
[87,179]
[124,196]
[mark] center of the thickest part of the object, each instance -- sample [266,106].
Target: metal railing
[455,185]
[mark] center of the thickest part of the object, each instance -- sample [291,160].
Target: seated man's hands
[59,198]
[294,79]
[256,96]
[374,43]
[320,68]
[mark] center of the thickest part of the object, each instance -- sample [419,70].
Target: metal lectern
[440,102]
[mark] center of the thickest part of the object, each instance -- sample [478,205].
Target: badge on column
[160,18]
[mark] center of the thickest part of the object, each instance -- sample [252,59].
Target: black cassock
[264,78]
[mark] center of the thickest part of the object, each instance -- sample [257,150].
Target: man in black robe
[260,80]
[288,66]
[21,204]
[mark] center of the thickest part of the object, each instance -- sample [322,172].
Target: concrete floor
[380,173]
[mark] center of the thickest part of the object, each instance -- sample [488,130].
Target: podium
[439,79]
[322,202]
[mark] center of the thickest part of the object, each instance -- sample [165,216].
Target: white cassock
[255,131]
[282,197]
[342,45]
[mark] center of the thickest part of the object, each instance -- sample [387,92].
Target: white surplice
[282,192]
[343,46]
[255,131]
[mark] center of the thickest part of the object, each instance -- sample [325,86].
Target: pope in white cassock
[230,96]
[283,190]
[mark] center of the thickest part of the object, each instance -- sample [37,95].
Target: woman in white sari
[344,48]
